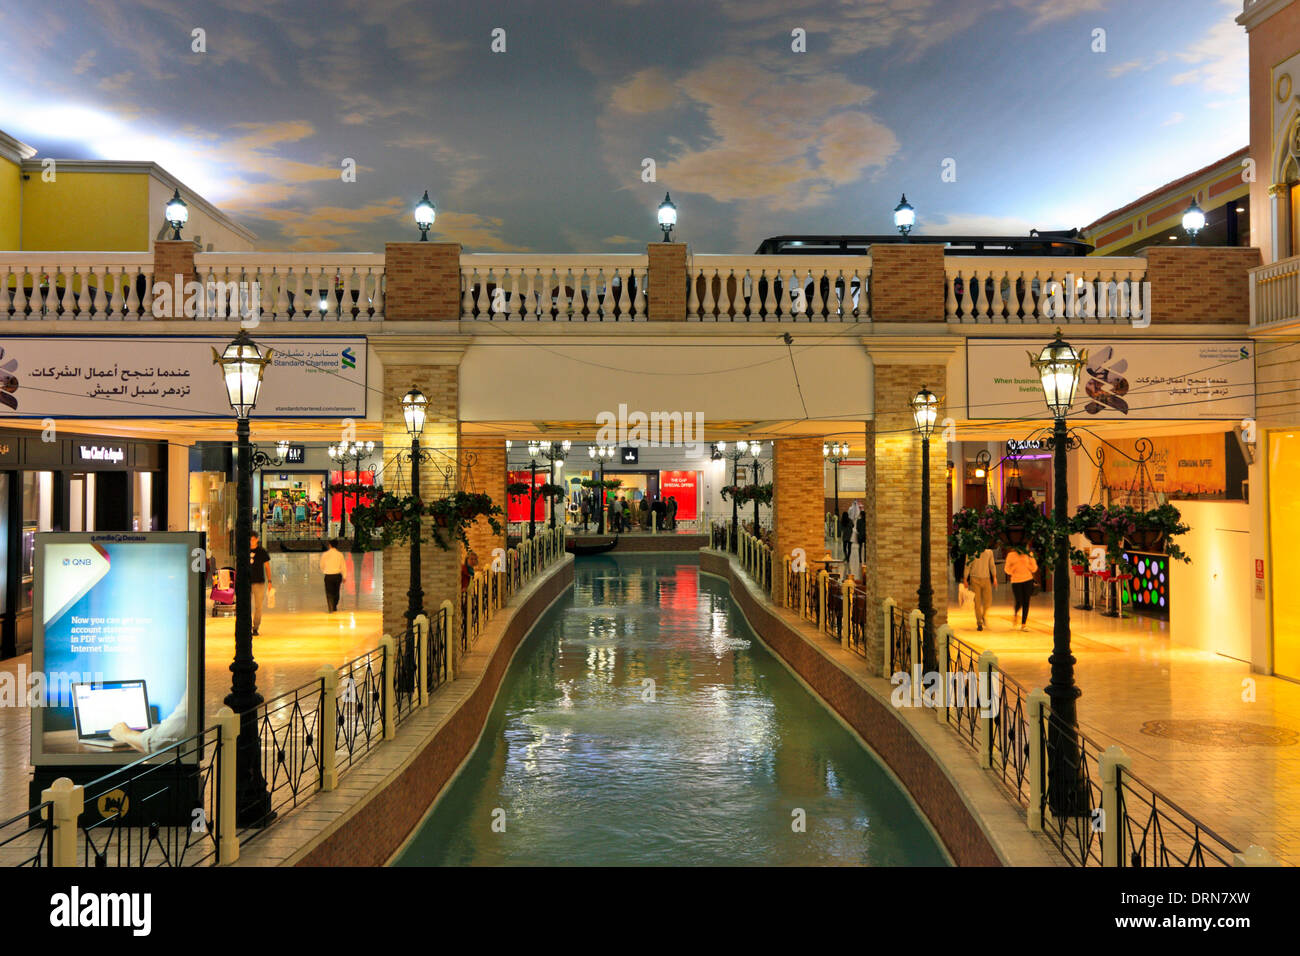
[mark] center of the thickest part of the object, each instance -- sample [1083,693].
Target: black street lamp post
[534,449]
[735,457]
[600,453]
[414,410]
[1058,366]
[835,453]
[342,453]
[553,452]
[754,448]
[925,409]
[242,364]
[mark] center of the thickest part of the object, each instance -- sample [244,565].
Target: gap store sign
[129,376]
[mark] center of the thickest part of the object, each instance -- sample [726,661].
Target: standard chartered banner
[129,376]
[1122,379]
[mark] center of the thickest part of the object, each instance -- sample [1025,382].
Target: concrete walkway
[1219,741]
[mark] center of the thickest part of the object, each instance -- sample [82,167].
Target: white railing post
[227,778]
[1037,716]
[941,638]
[390,686]
[887,635]
[988,663]
[68,799]
[846,610]
[329,719]
[1111,763]
[916,621]
[450,649]
[823,593]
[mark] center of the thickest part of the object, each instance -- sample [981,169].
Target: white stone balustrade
[773,288]
[570,288]
[1017,289]
[44,286]
[302,286]
[1275,294]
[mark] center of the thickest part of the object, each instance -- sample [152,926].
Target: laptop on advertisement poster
[99,707]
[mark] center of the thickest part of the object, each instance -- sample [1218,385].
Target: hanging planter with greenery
[517,489]
[453,514]
[395,519]
[744,494]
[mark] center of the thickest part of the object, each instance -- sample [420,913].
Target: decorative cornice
[15,150]
[1255,12]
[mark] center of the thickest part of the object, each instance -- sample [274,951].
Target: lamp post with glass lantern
[904,217]
[425,213]
[553,452]
[242,365]
[835,453]
[667,217]
[600,453]
[1193,221]
[342,454]
[414,410]
[534,451]
[176,213]
[754,448]
[1058,366]
[925,409]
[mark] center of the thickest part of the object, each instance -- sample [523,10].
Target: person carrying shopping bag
[1021,567]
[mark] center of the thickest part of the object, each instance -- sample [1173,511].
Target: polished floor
[297,636]
[1219,741]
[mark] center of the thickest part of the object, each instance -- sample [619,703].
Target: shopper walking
[861,529]
[259,562]
[846,534]
[1021,567]
[982,578]
[334,567]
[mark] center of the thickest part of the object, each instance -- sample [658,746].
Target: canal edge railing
[1114,819]
[177,806]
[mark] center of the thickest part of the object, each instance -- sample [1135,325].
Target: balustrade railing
[1012,290]
[575,288]
[299,286]
[289,729]
[777,288]
[1275,293]
[76,285]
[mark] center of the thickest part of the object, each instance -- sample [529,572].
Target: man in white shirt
[982,578]
[334,566]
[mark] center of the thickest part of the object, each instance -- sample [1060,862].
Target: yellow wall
[106,212]
[1284,531]
[11,185]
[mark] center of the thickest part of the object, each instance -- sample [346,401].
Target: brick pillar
[422,281]
[483,469]
[666,283]
[173,258]
[1200,285]
[440,570]
[907,283]
[897,494]
[798,473]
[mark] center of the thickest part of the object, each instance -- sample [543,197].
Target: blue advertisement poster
[117,638]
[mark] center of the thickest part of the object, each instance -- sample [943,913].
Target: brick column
[1200,285]
[798,472]
[897,494]
[439,569]
[483,469]
[907,283]
[422,281]
[666,283]
[173,258]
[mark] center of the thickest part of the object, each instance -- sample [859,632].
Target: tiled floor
[295,638]
[1219,741]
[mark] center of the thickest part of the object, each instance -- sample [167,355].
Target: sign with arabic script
[1123,379]
[131,376]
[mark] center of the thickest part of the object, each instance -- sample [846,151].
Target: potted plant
[1153,529]
[516,488]
[394,517]
[1087,522]
[458,511]
[1021,524]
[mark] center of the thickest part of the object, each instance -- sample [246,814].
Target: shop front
[71,483]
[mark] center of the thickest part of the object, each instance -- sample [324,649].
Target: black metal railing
[436,648]
[1071,799]
[857,626]
[28,839]
[359,706]
[1012,735]
[406,692]
[160,810]
[289,728]
[1155,831]
[962,704]
[900,642]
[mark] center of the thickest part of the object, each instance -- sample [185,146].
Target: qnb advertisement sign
[681,487]
[125,612]
[174,377]
[1122,379]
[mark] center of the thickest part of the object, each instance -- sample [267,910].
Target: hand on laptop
[124,734]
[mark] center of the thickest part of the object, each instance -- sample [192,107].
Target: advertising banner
[117,629]
[130,376]
[1180,466]
[517,505]
[680,485]
[1137,379]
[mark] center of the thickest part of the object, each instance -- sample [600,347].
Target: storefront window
[212,501]
[38,501]
[293,505]
[142,519]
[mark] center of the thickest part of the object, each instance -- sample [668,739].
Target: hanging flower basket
[457,512]
[1015,534]
[1148,541]
[1095,535]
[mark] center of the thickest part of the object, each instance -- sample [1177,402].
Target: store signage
[295,455]
[113,454]
[173,377]
[680,486]
[630,456]
[1031,444]
[1123,379]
